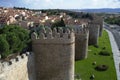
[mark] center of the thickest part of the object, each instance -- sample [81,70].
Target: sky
[61,4]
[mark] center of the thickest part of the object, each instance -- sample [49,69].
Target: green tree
[114,20]
[14,42]
[16,38]
[58,24]
[4,46]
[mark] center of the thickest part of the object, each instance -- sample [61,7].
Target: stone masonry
[54,54]
[93,33]
[98,21]
[19,68]
[81,43]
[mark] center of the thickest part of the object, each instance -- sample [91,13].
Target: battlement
[54,54]
[82,31]
[11,62]
[21,67]
[93,25]
[53,36]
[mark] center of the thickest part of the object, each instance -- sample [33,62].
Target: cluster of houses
[28,18]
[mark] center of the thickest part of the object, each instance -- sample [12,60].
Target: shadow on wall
[30,67]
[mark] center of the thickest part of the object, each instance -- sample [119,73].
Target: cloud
[100,4]
[63,4]
[48,0]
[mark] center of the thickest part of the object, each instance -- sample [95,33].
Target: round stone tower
[54,54]
[81,43]
[93,33]
[98,21]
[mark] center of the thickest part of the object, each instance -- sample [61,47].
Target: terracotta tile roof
[4,17]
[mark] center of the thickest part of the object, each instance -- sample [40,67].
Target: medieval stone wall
[19,68]
[55,52]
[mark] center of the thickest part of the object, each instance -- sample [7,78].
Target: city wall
[19,68]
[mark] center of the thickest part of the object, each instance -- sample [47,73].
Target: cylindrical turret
[54,55]
[93,34]
[81,43]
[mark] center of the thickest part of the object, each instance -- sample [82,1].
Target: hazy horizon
[61,4]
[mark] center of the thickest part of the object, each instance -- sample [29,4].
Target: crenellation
[57,35]
[18,68]
[19,58]
[27,53]
[68,31]
[33,36]
[53,35]
[82,31]
[60,30]
[14,60]
[10,63]
[54,30]
[47,30]
[5,64]
[41,36]
[65,35]
[72,30]
[71,35]
[85,29]
[49,35]
[23,56]
[43,30]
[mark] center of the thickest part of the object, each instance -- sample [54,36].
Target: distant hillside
[104,10]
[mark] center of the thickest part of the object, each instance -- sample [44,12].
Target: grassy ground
[85,69]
